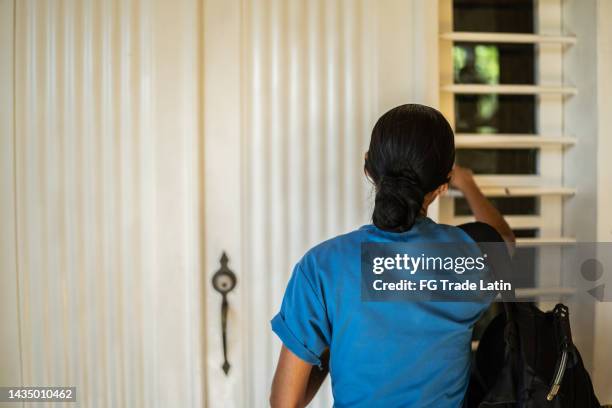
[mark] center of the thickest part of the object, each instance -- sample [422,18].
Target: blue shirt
[382,354]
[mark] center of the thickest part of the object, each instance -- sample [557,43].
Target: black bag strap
[564,337]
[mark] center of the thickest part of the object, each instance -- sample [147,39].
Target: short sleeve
[302,323]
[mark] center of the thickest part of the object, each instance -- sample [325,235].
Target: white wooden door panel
[291,93]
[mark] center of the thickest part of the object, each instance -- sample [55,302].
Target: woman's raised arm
[463,180]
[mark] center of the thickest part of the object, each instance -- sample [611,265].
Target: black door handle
[224,281]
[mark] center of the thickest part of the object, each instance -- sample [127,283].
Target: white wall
[587,117]
[602,366]
[580,168]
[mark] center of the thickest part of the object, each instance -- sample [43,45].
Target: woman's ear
[443,188]
[432,195]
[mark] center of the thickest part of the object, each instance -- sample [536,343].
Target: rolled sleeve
[302,323]
[292,342]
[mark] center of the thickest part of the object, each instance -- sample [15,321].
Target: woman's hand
[462,178]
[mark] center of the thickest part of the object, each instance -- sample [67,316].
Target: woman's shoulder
[339,248]
[339,242]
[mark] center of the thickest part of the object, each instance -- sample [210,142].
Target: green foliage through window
[476,64]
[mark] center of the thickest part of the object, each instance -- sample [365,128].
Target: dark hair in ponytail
[411,153]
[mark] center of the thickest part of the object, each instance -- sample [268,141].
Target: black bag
[526,359]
